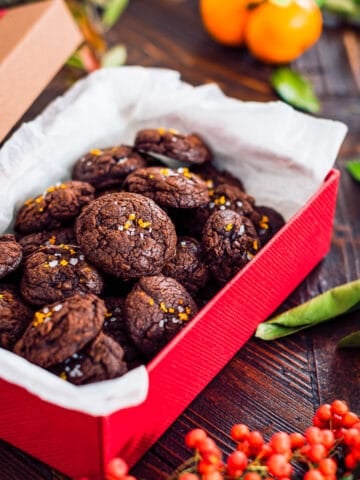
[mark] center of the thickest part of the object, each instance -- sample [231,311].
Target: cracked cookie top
[155,310]
[108,167]
[126,235]
[54,273]
[169,187]
[58,205]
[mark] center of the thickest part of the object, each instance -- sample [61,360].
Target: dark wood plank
[270,386]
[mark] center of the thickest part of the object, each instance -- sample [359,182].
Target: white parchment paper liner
[281,155]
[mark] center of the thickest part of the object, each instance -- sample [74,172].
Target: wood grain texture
[270,386]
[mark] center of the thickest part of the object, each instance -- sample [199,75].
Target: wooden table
[271,386]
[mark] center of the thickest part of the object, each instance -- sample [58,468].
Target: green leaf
[319,309]
[347,7]
[75,61]
[113,11]
[114,57]
[350,341]
[294,89]
[353,167]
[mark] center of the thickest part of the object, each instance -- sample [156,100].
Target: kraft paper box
[35,42]
[285,160]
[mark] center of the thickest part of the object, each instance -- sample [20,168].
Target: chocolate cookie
[115,326]
[269,223]
[230,241]
[229,197]
[170,143]
[188,267]
[61,329]
[58,205]
[155,310]
[101,359]
[54,273]
[222,197]
[215,177]
[169,188]
[107,167]
[10,254]
[126,235]
[15,316]
[32,242]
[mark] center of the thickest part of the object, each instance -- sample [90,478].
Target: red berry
[316,452]
[204,467]
[280,442]
[279,466]
[207,446]
[350,461]
[252,476]
[328,439]
[212,476]
[349,419]
[239,432]
[237,462]
[265,451]
[357,425]
[336,422]
[327,466]
[256,441]
[188,476]
[129,477]
[339,407]
[297,440]
[243,447]
[350,436]
[212,458]
[319,423]
[323,413]
[313,435]
[194,437]
[314,474]
[116,469]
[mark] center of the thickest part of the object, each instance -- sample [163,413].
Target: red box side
[81,445]
[187,364]
[68,440]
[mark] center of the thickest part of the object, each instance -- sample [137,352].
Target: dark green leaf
[319,309]
[353,167]
[295,90]
[113,11]
[350,341]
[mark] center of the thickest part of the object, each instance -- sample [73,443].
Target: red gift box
[81,445]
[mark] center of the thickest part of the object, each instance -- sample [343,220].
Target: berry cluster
[118,470]
[328,450]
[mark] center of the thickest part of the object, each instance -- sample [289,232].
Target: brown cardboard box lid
[35,41]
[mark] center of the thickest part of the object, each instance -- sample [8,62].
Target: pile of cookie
[107,267]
